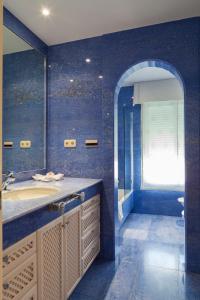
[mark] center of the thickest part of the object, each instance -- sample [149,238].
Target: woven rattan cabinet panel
[89,237]
[31,295]
[89,204]
[90,218]
[50,261]
[91,254]
[72,249]
[18,253]
[90,231]
[18,283]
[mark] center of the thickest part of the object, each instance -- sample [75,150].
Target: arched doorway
[122,194]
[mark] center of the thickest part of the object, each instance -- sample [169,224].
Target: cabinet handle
[6,286]
[5,259]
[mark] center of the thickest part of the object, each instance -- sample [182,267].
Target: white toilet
[181,200]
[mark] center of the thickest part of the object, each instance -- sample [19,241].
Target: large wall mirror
[24,106]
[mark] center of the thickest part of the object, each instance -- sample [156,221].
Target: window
[163,145]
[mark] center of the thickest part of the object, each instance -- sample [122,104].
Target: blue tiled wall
[23,110]
[84,109]
[76,112]
[157,202]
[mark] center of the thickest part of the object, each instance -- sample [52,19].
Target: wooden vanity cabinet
[48,264]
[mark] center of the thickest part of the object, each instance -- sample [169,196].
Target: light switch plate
[70,143]
[25,144]
[8,144]
[91,143]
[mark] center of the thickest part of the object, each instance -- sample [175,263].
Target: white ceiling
[12,43]
[78,19]
[148,74]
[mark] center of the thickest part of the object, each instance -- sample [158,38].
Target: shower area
[151,160]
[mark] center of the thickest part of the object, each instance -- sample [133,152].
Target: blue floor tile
[149,265]
[76,296]
[96,281]
[155,284]
[153,254]
[190,286]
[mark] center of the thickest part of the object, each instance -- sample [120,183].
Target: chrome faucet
[9,178]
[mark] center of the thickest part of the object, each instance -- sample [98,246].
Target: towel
[50,176]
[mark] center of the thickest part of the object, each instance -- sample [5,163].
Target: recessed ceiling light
[71,80]
[45,12]
[88,60]
[100,76]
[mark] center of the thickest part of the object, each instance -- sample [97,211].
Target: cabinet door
[72,249]
[50,257]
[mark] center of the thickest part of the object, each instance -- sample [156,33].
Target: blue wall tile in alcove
[85,109]
[124,124]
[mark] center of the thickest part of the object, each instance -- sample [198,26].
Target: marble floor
[149,264]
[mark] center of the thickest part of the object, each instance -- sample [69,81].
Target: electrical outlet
[70,143]
[25,144]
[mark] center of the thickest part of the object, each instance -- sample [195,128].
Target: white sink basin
[29,193]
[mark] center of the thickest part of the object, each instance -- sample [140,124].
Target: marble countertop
[13,209]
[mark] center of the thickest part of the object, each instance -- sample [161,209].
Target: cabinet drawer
[31,295]
[89,237]
[90,204]
[90,255]
[19,282]
[90,219]
[18,253]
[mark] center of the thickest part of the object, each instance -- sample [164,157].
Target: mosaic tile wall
[84,109]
